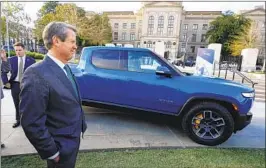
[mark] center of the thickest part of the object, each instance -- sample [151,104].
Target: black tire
[216,110]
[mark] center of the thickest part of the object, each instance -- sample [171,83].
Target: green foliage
[41,23]
[16,15]
[98,30]
[224,29]
[90,31]
[247,39]
[34,55]
[48,7]
[3,26]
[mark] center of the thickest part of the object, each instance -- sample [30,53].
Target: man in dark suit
[5,68]
[51,111]
[19,64]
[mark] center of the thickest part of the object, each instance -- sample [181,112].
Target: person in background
[19,64]
[5,68]
[50,103]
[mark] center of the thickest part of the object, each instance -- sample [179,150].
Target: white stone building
[258,17]
[167,21]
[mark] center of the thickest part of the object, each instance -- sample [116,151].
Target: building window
[115,35]
[124,25]
[183,47]
[195,27]
[202,46]
[204,26]
[132,36]
[116,25]
[194,38]
[262,37]
[184,37]
[150,25]
[140,23]
[185,26]
[192,49]
[203,38]
[149,44]
[160,25]
[170,31]
[168,44]
[124,36]
[133,25]
[170,28]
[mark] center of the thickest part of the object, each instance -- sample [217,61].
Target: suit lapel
[15,63]
[26,65]
[61,76]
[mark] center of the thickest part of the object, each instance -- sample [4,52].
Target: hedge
[34,55]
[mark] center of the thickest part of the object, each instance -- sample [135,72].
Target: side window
[139,61]
[108,59]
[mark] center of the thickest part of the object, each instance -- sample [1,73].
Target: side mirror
[163,71]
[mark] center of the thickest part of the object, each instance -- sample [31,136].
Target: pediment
[259,11]
[158,4]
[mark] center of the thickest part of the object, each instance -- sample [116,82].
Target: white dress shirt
[23,58]
[58,62]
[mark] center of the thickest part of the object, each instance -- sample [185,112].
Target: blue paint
[146,90]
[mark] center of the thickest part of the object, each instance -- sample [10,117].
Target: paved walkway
[114,130]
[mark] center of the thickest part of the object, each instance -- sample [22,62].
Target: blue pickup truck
[211,109]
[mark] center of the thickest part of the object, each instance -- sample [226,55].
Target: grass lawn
[257,72]
[163,158]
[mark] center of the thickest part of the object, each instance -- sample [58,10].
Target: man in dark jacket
[19,64]
[5,68]
[51,112]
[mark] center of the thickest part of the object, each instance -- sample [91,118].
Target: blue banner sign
[204,62]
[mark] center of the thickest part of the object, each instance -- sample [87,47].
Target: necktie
[20,69]
[71,78]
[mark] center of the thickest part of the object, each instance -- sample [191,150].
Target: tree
[68,13]
[224,29]
[15,17]
[48,7]
[98,30]
[45,16]
[95,30]
[247,39]
[41,23]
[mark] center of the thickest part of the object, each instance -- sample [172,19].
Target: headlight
[249,95]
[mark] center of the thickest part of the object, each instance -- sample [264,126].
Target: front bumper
[242,121]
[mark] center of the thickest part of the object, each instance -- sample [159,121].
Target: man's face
[19,51]
[68,48]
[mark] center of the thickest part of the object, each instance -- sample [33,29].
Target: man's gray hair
[58,29]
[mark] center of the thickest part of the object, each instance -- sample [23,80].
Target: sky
[32,7]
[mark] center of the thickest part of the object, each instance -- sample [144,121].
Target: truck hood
[212,81]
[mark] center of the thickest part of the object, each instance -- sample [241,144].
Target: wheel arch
[195,100]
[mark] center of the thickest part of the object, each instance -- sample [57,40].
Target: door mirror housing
[163,71]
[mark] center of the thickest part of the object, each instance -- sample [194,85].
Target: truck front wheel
[208,123]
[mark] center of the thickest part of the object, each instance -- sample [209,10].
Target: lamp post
[7,36]
[184,58]
[0,27]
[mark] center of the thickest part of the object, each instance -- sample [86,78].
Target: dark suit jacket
[49,108]
[5,68]
[14,66]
